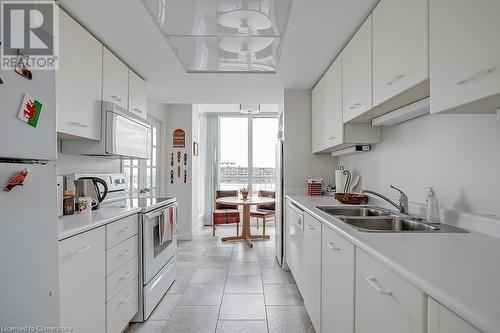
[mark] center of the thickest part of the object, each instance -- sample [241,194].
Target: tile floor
[227,287]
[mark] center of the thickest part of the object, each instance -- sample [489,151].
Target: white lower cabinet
[337,283]
[442,320]
[122,308]
[312,270]
[386,303]
[82,287]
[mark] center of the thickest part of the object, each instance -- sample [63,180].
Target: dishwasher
[295,243]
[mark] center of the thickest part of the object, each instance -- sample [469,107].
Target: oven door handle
[158,213]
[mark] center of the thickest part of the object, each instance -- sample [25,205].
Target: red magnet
[18,180]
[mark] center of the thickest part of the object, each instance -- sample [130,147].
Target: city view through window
[247,143]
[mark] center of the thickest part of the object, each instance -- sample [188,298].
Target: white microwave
[123,134]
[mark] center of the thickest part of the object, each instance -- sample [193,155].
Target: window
[247,143]
[142,175]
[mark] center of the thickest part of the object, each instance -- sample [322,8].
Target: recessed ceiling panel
[228,36]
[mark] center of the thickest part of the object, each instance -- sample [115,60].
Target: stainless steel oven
[157,260]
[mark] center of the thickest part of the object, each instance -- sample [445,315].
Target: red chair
[264,211]
[225,214]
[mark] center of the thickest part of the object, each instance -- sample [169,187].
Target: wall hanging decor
[179,156]
[185,176]
[179,138]
[171,176]
[171,159]
[22,66]
[195,148]
[185,158]
[178,171]
[30,110]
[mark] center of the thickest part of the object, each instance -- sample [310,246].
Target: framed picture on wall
[195,148]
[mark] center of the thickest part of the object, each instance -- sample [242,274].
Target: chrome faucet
[403,199]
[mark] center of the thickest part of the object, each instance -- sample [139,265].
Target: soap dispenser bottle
[432,207]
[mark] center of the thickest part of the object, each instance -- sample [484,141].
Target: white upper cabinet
[318,116]
[442,320]
[137,95]
[114,79]
[384,301]
[357,73]
[333,123]
[400,47]
[465,56]
[78,81]
[337,283]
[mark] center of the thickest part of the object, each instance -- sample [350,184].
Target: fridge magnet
[1,81]
[171,176]
[30,110]
[185,158]
[179,156]
[171,159]
[18,180]
[195,148]
[22,66]
[178,171]
[185,176]
[179,138]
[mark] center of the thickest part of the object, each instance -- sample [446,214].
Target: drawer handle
[125,300]
[395,79]
[125,276]
[477,75]
[310,227]
[137,110]
[128,251]
[354,106]
[332,137]
[377,287]
[332,246]
[77,124]
[126,229]
[116,98]
[83,249]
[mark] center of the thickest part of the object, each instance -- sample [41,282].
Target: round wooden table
[236,201]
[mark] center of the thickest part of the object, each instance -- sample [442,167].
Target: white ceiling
[316,32]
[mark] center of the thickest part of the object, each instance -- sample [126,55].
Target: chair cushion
[262,212]
[226,216]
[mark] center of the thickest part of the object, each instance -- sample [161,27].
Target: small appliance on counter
[87,186]
[315,186]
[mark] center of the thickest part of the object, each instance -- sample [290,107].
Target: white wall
[458,155]
[299,161]
[196,188]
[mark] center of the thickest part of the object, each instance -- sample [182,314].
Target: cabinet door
[78,81]
[137,99]
[400,47]
[318,116]
[465,54]
[333,123]
[114,79]
[442,320]
[357,73]
[295,243]
[82,282]
[337,283]
[312,270]
[386,303]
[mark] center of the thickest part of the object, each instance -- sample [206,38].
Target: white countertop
[71,225]
[459,270]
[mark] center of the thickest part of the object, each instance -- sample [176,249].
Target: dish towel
[166,225]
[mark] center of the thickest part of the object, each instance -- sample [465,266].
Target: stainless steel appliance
[123,134]
[279,237]
[88,187]
[29,282]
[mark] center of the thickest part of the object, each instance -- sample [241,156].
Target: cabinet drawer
[122,308]
[384,301]
[121,230]
[121,277]
[120,254]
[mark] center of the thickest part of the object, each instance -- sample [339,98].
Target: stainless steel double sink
[377,219]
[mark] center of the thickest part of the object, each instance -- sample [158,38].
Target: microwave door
[126,137]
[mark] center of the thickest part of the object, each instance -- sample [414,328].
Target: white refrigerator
[279,232]
[28,214]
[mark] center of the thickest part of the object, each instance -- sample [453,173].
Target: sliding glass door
[247,143]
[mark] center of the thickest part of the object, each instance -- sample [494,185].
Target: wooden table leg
[246,224]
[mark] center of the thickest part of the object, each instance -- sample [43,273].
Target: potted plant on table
[244,192]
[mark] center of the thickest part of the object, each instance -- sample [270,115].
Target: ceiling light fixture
[221,36]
